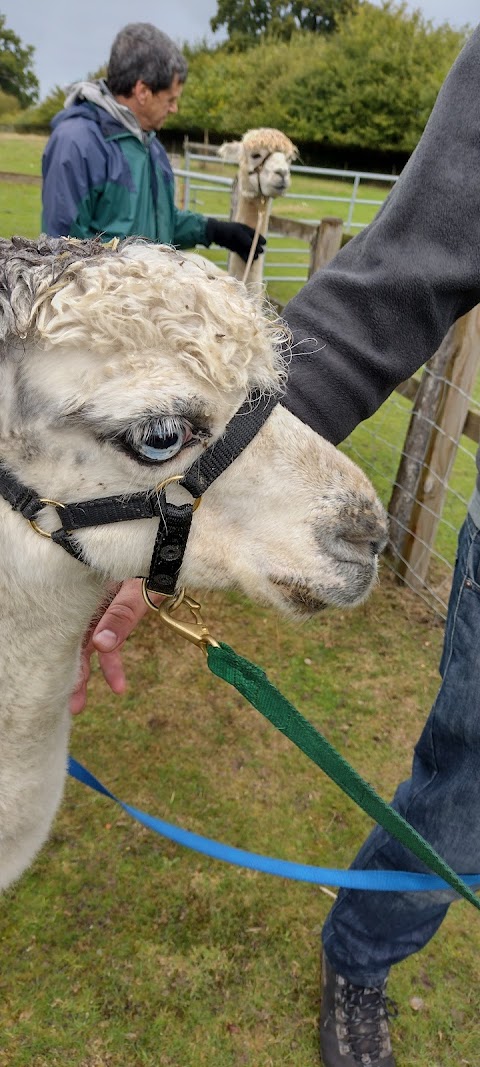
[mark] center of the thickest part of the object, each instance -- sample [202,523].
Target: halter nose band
[258,170]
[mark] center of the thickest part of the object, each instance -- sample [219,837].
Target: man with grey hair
[105,171]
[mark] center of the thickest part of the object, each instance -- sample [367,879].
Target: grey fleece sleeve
[380,309]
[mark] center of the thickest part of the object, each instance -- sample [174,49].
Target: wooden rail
[440,416]
[324,238]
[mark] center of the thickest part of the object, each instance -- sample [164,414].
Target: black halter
[175,520]
[258,170]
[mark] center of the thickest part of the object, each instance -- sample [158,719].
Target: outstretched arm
[381,308]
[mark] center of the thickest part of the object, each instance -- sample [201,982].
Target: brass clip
[196,632]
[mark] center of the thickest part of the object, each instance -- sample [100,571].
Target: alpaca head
[119,367]
[264,157]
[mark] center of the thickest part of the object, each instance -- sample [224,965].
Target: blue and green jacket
[99,178]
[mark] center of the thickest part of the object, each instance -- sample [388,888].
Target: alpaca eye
[163,440]
[159,440]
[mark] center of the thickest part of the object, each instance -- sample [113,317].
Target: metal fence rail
[285,259]
[355,177]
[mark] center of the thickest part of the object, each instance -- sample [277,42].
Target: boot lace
[365,1013]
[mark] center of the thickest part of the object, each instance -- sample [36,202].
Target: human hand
[107,638]
[236,236]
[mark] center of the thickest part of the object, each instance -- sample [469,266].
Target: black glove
[236,236]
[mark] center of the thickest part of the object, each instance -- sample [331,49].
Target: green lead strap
[253,684]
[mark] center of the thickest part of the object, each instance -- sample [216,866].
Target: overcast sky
[72,37]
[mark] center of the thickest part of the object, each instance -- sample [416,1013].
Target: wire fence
[422,463]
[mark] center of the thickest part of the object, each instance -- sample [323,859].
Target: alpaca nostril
[373,546]
[357,531]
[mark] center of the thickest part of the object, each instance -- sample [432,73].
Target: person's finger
[120,618]
[112,669]
[78,698]
[116,624]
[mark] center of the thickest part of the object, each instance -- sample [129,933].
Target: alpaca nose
[363,539]
[362,527]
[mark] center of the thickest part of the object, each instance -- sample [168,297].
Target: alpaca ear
[230,151]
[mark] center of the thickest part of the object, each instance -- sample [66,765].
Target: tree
[373,85]
[17,77]
[248,20]
[321,16]
[40,117]
[8,105]
[211,90]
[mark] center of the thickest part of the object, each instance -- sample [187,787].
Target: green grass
[121,950]
[20,210]
[21,153]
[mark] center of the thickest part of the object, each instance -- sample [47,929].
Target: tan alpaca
[264,158]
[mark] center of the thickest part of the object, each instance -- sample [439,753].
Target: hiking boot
[354,1023]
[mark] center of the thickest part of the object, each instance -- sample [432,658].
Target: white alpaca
[117,369]
[264,158]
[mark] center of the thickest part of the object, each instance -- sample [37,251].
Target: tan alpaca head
[120,368]
[264,158]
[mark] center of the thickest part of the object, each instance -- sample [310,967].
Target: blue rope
[384,881]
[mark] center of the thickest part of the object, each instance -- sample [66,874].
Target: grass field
[122,950]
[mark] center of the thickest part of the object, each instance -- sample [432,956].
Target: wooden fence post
[436,425]
[325,243]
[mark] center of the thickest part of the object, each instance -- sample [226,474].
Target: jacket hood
[98,94]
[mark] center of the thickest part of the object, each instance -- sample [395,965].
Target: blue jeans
[366,932]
